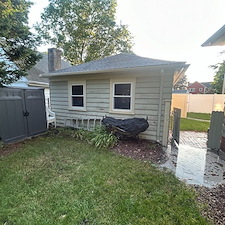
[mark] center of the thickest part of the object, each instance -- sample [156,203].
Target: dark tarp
[131,126]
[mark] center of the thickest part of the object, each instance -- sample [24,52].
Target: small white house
[120,86]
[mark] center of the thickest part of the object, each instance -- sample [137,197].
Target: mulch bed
[141,149]
[213,198]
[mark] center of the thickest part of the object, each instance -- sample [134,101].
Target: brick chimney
[54,59]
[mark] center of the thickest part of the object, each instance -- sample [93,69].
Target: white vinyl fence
[199,103]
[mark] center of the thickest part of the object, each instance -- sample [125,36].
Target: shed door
[35,111]
[13,124]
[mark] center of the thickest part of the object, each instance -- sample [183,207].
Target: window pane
[121,103]
[78,101]
[77,90]
[122,89]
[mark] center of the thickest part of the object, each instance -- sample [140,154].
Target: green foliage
[85,30]
[56,180]
[80,135]
[194,125]
[1,144]
[17,43]
[103,139]
[100,137]
[217,83]
[202,116]
[181,84]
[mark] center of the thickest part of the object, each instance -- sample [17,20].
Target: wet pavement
[192,162]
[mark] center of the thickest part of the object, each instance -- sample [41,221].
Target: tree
[217,83]
[181,84]
[84,29]
[17,43]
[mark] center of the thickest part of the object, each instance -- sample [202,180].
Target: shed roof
[217,38]
[112,63]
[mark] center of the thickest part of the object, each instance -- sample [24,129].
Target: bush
[103,139]
[100,137]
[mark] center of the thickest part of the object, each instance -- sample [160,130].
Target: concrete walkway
[193,139]
[192,162]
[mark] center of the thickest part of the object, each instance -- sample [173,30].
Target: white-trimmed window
[192,89]
[122,96]
[77,95]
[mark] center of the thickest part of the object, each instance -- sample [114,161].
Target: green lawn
[194,125]
[59,180]
[202,116]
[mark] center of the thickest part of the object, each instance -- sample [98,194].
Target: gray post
[215,130]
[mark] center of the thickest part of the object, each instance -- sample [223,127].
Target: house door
[176,124]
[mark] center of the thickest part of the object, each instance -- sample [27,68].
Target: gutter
[160,104]
[37,83]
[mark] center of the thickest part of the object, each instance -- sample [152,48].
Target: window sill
[122,112]
[77,109]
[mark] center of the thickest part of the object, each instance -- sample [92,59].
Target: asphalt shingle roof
[120,61]
[42,67]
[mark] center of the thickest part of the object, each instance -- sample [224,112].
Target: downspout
[160,103]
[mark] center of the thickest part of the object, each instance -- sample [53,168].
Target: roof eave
[175,65]
[180,74]
[217,39]
[38,84]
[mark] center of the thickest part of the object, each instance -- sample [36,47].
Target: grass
[193,125]
[202,116]
[60,180]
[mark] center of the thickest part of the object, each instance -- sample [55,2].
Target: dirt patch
[141,149]
[8,149]
[214,200]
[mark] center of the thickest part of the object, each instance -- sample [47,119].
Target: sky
[169,30]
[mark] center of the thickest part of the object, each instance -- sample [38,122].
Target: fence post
[166,122]
[215,131]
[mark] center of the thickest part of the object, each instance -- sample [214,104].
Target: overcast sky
[169,30]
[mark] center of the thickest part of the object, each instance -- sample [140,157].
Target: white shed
[120,86]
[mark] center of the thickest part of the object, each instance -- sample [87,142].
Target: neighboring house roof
[180,92]
[207,84]
[42,67]
[33,78]
[217,38]
[194,84]
[113,63]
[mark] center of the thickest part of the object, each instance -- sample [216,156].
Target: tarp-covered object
[131,126]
